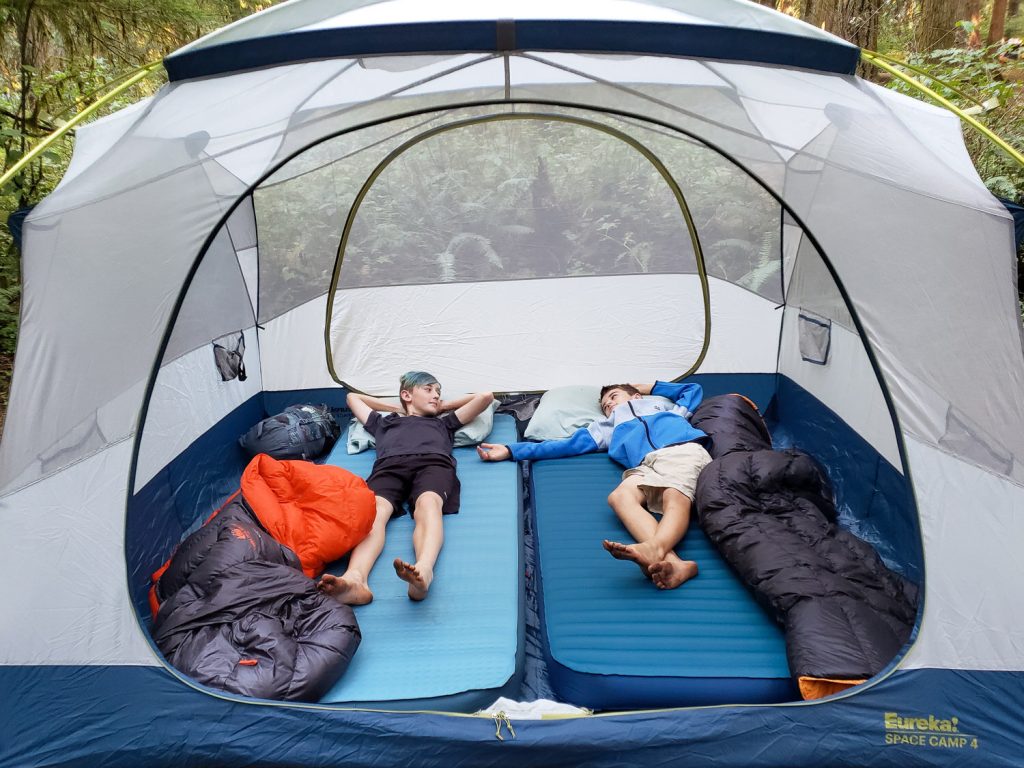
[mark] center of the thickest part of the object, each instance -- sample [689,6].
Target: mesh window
[515,200]
[301,211]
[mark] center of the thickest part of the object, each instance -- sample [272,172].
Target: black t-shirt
[397,435]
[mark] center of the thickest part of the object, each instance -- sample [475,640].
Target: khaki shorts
[674,467]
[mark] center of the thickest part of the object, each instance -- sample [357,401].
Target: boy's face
[422,400]
[614,397]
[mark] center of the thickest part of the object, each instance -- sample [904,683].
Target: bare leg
[653,551]
[351,587]
[671,571]
[427,538]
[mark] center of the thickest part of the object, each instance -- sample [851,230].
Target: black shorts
[403,478]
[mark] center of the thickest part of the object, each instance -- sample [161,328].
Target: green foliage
[987,75]
[513,200]
[896,26]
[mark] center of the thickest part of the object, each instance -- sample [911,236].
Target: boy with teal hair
[414,464]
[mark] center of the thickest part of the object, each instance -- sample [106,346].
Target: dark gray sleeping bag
[772,517]
[237,613]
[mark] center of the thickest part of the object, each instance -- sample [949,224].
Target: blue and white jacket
[634,429]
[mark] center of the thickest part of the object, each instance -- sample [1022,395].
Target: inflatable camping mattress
[462,647]
[613,640]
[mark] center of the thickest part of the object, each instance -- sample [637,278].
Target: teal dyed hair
[415,379]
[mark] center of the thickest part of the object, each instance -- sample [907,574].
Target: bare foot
[348,591]
[670,573]
[419,583]
[643,554]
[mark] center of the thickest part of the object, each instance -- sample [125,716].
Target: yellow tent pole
[925,73]
[85,114]
[921,87]
[105,86]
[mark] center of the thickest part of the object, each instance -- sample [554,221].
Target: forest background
[57,57]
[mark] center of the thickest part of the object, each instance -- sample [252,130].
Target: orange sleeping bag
[318,511]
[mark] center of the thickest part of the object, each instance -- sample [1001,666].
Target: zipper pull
[500,719]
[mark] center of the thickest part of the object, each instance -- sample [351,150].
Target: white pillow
[563,410]
[475,432]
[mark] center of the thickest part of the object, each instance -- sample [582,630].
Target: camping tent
[787,222]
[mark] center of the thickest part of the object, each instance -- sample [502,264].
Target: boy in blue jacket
[663,455]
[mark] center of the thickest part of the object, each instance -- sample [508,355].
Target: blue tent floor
[460,648]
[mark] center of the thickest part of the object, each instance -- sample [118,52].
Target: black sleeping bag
[772,517]
[237,613]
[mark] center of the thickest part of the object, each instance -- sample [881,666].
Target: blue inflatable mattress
[461,648]
[613,640]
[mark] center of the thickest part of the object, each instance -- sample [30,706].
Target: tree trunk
[766,3]
[809,11]
[997,27]
[1012,7]
[853,20]
[937,23]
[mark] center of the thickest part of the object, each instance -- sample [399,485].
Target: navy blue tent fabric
[128,716]
[1017,211]
[15,223]
[594,36]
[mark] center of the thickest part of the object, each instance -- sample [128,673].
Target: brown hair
[629,389]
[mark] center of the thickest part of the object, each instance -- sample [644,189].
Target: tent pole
[917,85]
[924,73]
[140,74]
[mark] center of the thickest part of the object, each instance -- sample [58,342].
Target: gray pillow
[563,410]
[475,432]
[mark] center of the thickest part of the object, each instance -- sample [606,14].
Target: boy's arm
[581,441]
[363,405]
[458,402]
[688,395]
[473,406]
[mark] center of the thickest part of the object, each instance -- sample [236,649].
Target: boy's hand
[492,452]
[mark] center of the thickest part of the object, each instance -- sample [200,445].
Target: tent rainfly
[515,196]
